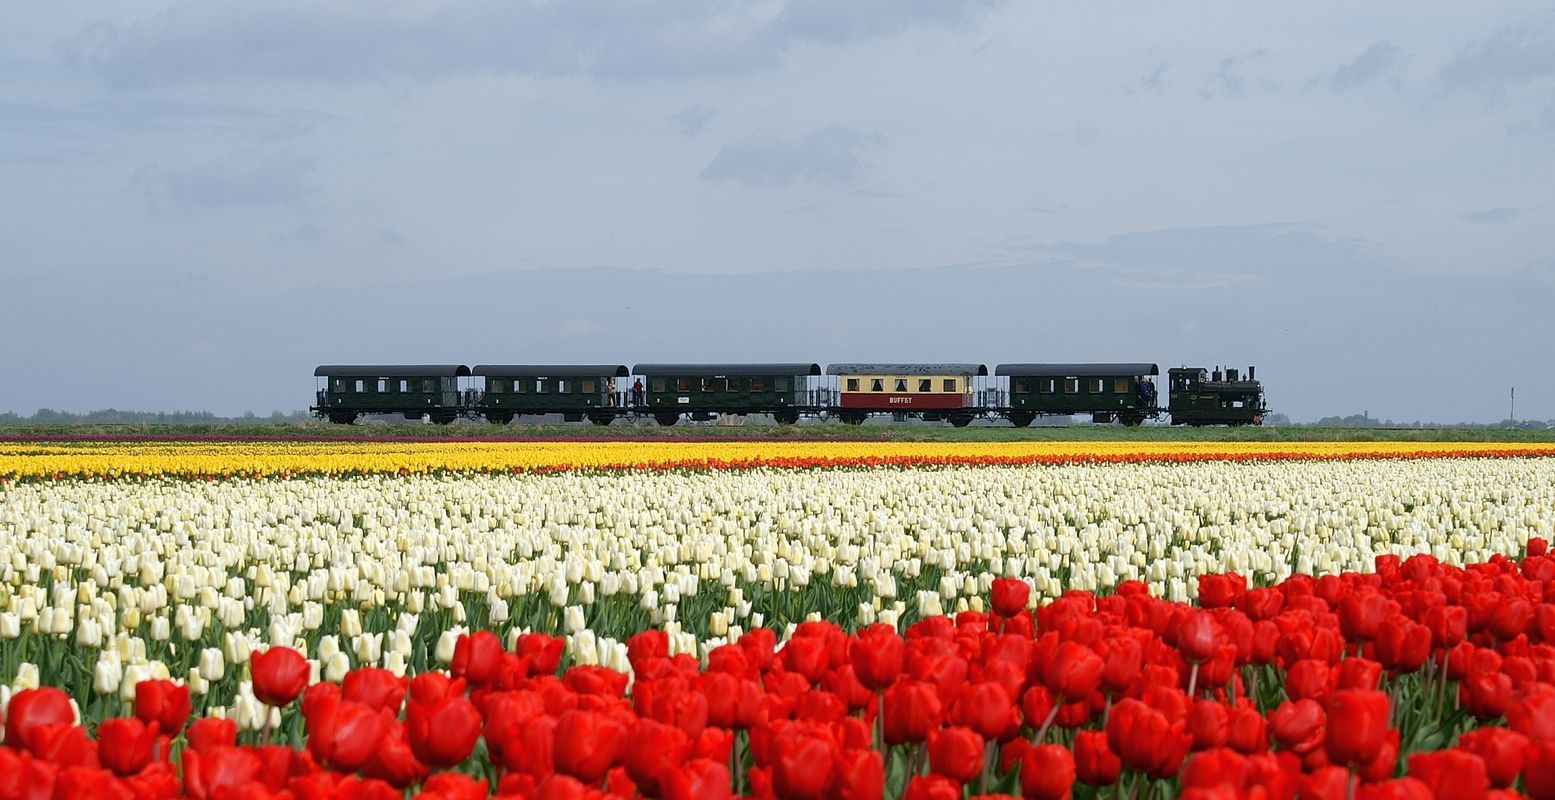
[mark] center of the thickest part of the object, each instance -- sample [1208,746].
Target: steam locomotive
[958,393]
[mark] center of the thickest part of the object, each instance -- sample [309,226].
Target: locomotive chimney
[1231,374]
[1217,375]
[1250,373]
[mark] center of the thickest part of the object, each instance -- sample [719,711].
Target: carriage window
[758,385]
[780,384]
[1071,386]
[901,384]
[340,384]
[950,384]
[657,384]
[925,384]
[495,385]
[1098,386]
[383,384]
[405,385]
[877,385]
[428,385]
[563,386]
[590,387]
[1023,386]
[852,385]
[1047,385]
[682,384]
[709,385]
[361,385]
[1120,385]
[521,386]
[732,384]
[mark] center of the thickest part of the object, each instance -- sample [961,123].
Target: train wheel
[666,418]
[601,418]
[342,417]
[499,418]
[852,417]
[1022,419]
[786,417]
[443,417]
[960,419]
[1132,420]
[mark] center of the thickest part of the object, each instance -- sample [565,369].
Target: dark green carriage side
[707,390]
[1107,392]
[595,391]
[1199,397]
[412,390]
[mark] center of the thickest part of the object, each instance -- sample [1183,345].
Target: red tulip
[1144,739]
[932,787]
[912,709]
[453,786]
[1199,637]
[1533,714]
[544,652]
[987,708]
[165,703]
[1449,625]
[1094,761]
[803,762]
[956,752]
[697,779]
[1486,694]
[1398,789]
[1502,751]
[1221,591]
[1009,596]
[1451,774]
[1122,658]
[218,772]
[596,680]
[1298,725]
[1538,778]
[394,761]
[1357,723]
[345,734]
[655,747]
[30,711]
[1361,615]
[1403,645]
[1047,772]
[280,674]
[1074,671]
[208,733]
[125,745]
[1307,679]
[477,658]
[1209,723]
[860,775]
[442,733]
[1246,730]
[376,687]
[877,654]
[588,744]
[1215,767]
[1357,673]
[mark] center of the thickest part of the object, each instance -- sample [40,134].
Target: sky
[201,201]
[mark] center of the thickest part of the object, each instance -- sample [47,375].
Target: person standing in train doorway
[637,392]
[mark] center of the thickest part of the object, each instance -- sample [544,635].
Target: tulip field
[776,619]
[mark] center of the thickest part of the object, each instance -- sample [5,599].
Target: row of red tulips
[1417,680]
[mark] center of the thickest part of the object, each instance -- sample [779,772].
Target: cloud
[244,179]
[225,40]
[1155,82]
[1380,59]
[694,119]
[1513,54]
[1229,79]
[1492,216]
[826,155]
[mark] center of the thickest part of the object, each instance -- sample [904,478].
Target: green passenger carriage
[413,390]
[1123,392]
[707,390]
[576,391]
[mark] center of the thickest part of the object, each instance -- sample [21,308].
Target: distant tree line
[113,416]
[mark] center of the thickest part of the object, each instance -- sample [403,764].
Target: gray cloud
[1379,60]
[694,119]
[826,155]
[1230,79]
[1514,54]
[215,42]
[236,180]
[1492,216]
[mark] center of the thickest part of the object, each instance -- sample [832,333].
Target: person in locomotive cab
[637,392]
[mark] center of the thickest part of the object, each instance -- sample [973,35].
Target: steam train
[851,393]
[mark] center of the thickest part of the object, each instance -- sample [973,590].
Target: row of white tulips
[152,579]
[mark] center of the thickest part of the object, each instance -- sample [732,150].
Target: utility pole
[1512,415]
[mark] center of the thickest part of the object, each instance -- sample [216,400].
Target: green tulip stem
[1193,679]
[1047,723]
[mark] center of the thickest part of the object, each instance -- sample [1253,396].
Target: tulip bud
[10,625]
[336,666]
[212,666]
[572,619]
[107,673]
